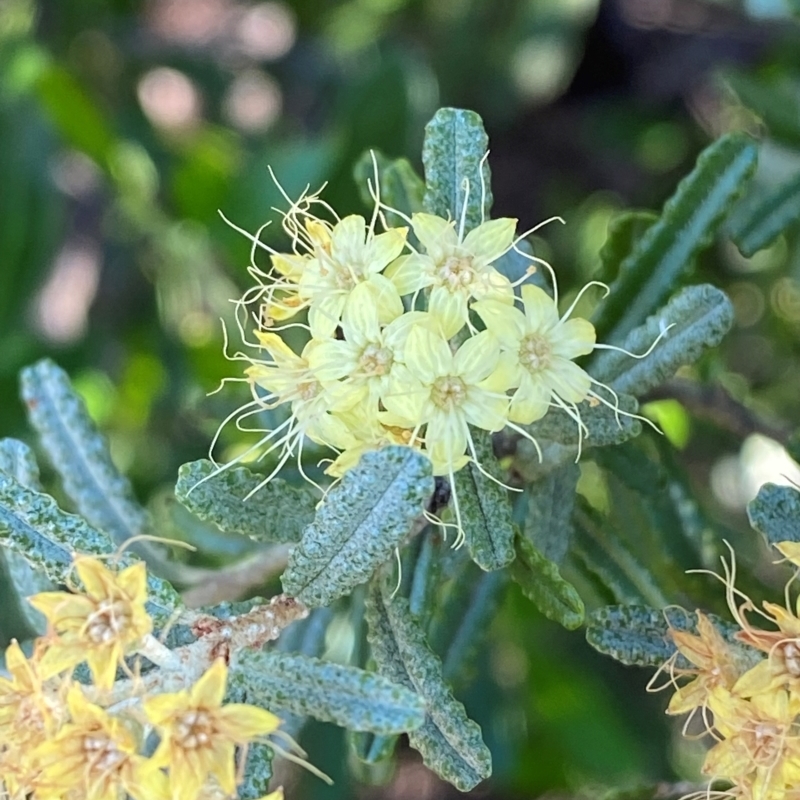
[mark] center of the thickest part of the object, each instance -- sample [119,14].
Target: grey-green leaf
[640,634]
[450,743]
[257,772]
[551,500]
[276,512]
[775,513]
[687,224]
[485,509]
[400,186]
[17,460]
[701,316]
[457,177]
[80,453]
[624,230]
[774,212]
[542,584]
[347,696]
[32,525]
[359,525]
[557,435]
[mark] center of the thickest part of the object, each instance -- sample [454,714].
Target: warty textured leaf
[775,513]
[347,696]
[359,525]
[277,512]
[450,743]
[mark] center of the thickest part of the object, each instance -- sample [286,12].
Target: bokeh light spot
[169,99]
[253,102]
[267,31]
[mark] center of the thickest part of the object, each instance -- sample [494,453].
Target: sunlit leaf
[347,696]
[359,524]
[275,511]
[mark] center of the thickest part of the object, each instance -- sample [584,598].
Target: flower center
[193,729]
[108,621]
[534,353]
[457,272]
[791,657]
[766,743]
[346,276]
[448,392]
[375,360]
[308,390]
[102,754]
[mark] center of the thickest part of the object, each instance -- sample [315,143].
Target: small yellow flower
[455,267]
[95,757]
[761,744]
[365,357]
[447,392]
[539,348]
[199,734]
[99,625]
[337,258]
[714,665]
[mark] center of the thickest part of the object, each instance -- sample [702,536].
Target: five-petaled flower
[199,734]
[99,625]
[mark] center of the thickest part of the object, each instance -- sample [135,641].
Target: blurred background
[126,125]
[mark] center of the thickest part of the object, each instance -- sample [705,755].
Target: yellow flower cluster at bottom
[60,740]
[746,693]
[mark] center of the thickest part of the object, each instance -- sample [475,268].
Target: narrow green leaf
[639,635]
[450,743]
[33,525]
[457,178]
[775,513]
[18,461]
[701,316]
[543,585]
[469,621]
[359,525]
[347,696]
[80,453]
[558,435]
[608,556]
[776,211]
[624,230]
[773,98]
[686,226]
[276,512]
[400,186]
[372,749]
[77,118]
[551,500]
[425,575]
[485,509]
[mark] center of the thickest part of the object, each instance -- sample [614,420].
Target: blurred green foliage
[126,125]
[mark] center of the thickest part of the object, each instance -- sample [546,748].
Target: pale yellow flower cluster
[747,695]
[60,740]
[391,352]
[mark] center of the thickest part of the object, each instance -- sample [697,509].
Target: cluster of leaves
[424,630]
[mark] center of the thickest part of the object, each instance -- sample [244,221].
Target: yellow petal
[569,381]
[133,581]
[103,664]
[410,273]
[240,722]
[210,688]
[507,324]
[348,239]
[96,577]
[383,248]
[490,240]
[477,358]
[573,338]
[438,236]
[448,309]
[790,551]
[541,313]
[427,355]
[531,401]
